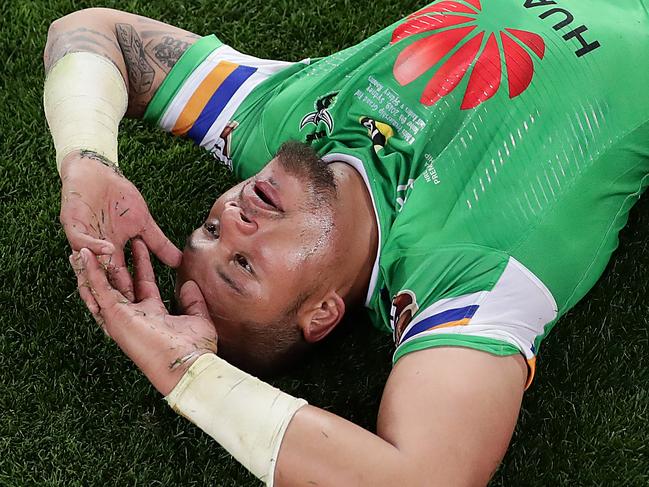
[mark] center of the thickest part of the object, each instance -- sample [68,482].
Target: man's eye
[243,262]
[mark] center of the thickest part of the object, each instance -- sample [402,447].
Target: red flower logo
[451,24]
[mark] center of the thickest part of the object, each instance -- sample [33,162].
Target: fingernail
[107,249]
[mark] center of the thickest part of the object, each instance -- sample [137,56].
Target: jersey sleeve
[468,296]
[204,89]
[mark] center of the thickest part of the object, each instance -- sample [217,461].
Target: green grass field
[75,411]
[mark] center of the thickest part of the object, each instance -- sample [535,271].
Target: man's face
[260,250]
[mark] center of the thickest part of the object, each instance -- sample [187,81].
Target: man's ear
[319,319]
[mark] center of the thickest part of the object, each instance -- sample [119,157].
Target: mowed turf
[75,411]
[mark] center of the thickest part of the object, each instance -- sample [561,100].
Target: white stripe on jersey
[515,311]
[214,133]
[265,68]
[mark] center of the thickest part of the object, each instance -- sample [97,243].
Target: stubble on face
[301,161]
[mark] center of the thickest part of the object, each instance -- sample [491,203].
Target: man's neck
[358,242]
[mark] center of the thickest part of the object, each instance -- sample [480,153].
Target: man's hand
[101,210]
[163,346]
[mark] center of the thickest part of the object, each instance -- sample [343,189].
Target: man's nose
[234,222]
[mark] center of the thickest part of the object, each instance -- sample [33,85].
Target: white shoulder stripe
[516,310]
[214,133]
[188,88]
[265,69]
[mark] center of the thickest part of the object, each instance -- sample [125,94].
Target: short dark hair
[266,349]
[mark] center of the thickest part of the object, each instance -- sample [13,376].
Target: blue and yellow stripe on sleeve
[202,92]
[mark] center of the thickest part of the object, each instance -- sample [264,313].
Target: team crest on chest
[321,112]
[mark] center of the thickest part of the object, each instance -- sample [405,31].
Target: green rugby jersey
[503,144]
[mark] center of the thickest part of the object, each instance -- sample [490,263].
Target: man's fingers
[79,239]
[192,300]
[96,245]
[118,274]
[94,273]
[145,285]
[82,284]
[160,245]
[82,226]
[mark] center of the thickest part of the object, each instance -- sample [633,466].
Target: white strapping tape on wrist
[85,98]
[244,414]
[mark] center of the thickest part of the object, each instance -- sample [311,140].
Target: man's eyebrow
[235,287]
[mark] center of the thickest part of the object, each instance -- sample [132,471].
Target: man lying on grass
[463,174]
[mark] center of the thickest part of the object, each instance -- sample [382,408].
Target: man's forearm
[84,100]
[322,449]
[65,36]
[258,424]
[137,46]
[86,90]
[446,418]
[99,69]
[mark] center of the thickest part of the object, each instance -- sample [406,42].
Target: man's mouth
[266,196]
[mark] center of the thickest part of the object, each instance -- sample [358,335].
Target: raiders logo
[404,307]
[221,149]
[321,113]
[379,132]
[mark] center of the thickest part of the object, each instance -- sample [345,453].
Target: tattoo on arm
[80,39]
[167,52]
[95,33]
[140,72]
[125,46]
